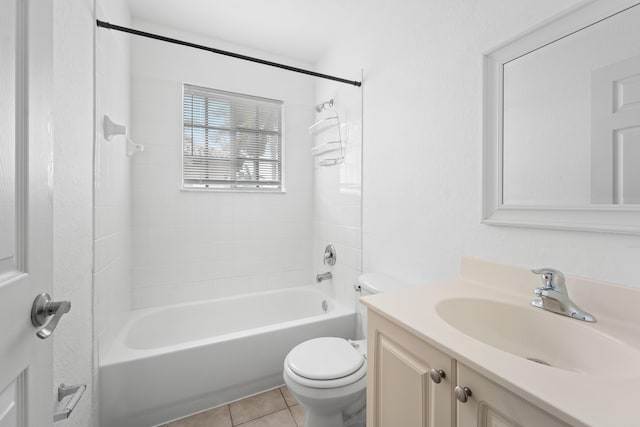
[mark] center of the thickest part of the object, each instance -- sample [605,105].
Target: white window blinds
[231,141]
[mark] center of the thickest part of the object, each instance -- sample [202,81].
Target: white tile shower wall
[423,144]
[190,245]
[337,192]
[112,180]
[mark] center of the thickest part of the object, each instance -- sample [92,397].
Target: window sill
[232,190]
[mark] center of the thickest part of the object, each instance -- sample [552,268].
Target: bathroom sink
[541,336]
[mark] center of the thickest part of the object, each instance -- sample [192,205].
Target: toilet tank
[371,284]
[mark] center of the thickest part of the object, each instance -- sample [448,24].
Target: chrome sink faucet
[554,296]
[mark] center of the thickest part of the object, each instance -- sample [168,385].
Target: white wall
[112,200]
[422,144]
[190,245]
[72,204]
[337,192]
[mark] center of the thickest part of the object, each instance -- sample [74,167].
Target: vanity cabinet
[400,387]
[412,384]
[491,405]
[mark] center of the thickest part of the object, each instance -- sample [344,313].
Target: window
[231,141]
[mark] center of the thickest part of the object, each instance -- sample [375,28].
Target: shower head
[324,105]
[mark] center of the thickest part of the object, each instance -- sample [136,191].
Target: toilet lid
[325,358]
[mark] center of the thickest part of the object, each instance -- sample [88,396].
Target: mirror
[562,122]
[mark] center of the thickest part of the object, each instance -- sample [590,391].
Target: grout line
[231,416]
[292,417]
[283,398]
[228,405]
[265,415]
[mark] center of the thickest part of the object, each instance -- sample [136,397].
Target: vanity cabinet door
[400,388]
[490,405]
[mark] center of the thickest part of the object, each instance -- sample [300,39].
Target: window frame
[235,186]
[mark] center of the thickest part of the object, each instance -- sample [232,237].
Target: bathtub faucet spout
[323,276]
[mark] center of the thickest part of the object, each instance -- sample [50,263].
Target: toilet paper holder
[75,391]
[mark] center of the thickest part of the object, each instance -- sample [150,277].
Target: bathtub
[172,361]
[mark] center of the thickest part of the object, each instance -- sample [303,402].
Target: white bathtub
[172,361]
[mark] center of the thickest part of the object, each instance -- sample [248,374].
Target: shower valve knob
[329,255]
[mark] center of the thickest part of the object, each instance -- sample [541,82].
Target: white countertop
[580,399]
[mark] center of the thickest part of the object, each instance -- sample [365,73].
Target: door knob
[437,375]
[462,393]
[42,309]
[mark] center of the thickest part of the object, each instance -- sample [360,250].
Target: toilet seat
[325,358]
[326,362]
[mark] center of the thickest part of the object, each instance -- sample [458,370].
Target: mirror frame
[602,218]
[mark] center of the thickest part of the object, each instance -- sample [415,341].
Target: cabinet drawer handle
[437,375]
[462,393]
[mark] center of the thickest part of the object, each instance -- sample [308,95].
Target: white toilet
[328,375]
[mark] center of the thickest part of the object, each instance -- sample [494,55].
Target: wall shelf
[327,138]
[324,125]
[326,147]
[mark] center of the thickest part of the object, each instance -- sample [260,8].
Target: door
[26,153]
[490,405]
[409,381]
[615,133]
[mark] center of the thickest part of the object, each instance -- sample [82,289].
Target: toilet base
[316,420]
[326,420]
[359,418]
[353,415]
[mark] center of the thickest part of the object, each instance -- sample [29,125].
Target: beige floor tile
[257,406]
[281,418]
[299,414]
[288,397]
[218,417]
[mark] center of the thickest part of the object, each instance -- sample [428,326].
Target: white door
[26,154]
[615,133]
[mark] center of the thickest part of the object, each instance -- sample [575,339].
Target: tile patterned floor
[273,408]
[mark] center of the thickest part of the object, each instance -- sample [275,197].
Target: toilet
[328,375]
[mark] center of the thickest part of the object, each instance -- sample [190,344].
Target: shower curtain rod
[109,26]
